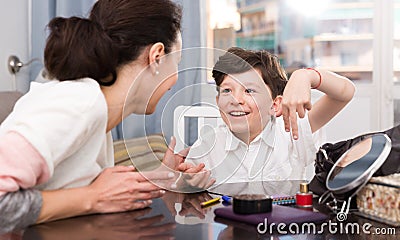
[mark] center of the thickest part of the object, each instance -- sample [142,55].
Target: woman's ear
[277,106]
[155,53]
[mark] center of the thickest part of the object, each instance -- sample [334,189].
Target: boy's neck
[246,137]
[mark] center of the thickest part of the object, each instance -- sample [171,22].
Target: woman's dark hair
[116,33]
[238,60]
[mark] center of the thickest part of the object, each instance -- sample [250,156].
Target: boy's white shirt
[273,155]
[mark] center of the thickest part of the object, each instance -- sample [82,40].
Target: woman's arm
[297,97]
[116,189]
[19,209]
[22,166]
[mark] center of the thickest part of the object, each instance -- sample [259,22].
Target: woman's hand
[297,99]
[120,188]
[116,189]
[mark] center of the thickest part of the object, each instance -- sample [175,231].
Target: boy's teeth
[238,113]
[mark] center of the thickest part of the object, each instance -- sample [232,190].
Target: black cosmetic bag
[329,153]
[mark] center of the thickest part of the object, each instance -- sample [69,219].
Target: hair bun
[78,48]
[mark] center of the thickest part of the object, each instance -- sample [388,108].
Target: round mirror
[357,165]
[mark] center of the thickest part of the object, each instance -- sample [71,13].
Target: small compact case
[252,203]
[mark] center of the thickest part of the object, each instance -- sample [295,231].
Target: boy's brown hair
[238,60]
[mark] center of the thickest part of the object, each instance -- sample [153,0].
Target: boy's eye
[249,90]
[225,90]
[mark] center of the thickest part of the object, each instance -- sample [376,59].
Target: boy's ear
[277,106]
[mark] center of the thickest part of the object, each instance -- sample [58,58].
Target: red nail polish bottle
[304,197]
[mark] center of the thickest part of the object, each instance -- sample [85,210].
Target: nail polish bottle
[304,197]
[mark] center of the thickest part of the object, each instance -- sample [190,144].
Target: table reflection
[127,225]
[169,217]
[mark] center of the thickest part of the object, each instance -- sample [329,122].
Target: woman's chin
[149,111]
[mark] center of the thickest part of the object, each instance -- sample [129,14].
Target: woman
[56,143]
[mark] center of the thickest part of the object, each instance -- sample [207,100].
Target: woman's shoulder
[54,102]
[84,88]
[81,96]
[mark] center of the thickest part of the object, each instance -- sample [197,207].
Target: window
[337,35]
[396,63]
[349,37]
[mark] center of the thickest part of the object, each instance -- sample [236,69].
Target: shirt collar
[267,135]
[232,142]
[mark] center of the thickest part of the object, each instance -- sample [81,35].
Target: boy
[270,131]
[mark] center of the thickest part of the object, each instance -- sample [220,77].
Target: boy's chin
[239,130]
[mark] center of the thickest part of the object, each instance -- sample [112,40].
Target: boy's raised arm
[297,98]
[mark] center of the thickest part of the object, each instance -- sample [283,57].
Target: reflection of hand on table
[127,225]
[170,198]
[190,203]
[15,235]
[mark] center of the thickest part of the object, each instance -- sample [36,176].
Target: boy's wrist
[316,79]
[306,74]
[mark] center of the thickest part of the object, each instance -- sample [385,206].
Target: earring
[273,116]
[157,72]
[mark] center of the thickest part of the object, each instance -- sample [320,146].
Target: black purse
[329,153]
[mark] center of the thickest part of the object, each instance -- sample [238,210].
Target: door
[14,27]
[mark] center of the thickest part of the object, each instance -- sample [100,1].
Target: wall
[14,41]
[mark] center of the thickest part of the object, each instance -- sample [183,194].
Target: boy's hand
[190,168]
[194,178]
[191,177]
[172,160]
[296,100]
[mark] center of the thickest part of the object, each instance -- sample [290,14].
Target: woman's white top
[65,121]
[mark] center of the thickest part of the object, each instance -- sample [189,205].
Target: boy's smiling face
[245,104]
